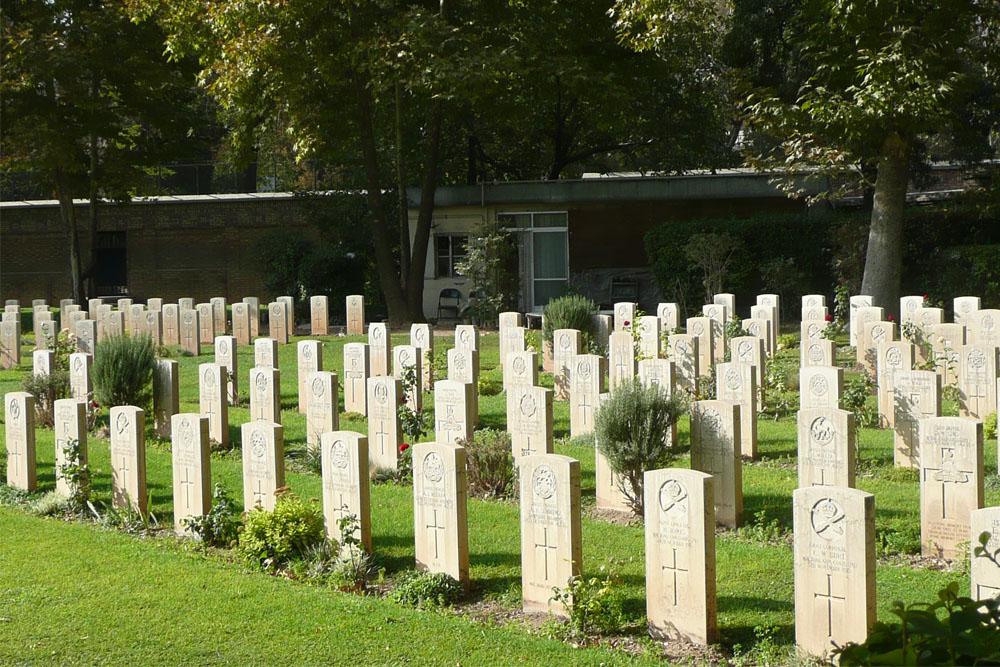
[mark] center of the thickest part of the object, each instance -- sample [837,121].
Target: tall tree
[88,102]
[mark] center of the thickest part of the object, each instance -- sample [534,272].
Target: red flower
[403,447]
[841,281]
[627,323]
[829,318]
[94,403]
[892,319]
[925,297]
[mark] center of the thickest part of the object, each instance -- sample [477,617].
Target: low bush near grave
[990,426]
[490,465]
[220,526]
[271,539]
[47,389]
[426,589]
[570,312]
[594,605]
[123,371]
[489,386]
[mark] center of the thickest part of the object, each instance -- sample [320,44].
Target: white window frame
[451,254]
[526,258]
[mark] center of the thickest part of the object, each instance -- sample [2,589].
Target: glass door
[543,240]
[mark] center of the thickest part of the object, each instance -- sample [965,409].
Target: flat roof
[162,199]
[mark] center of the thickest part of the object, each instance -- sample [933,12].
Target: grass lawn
[71,592]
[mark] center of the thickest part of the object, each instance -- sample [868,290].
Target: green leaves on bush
[426,589]
[123,371]
[270,539]
[219,527]
[490,464]
[593,605]
[631,428]
[570,312]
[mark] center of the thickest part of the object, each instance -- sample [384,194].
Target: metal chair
[449,294]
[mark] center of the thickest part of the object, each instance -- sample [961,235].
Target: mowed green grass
[160,601]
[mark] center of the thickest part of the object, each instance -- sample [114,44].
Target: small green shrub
[490,464]
[426,589]
[52,503]
[631,428]
[353,567]
[47,389]
[898,540]
[77,475]
[594,605]
[220,526]
[11,496]
[123,371]
[352,417]
[270,539]
[489,386]
[953,630]
[570,312]
[855,399]
[762,531]
[990,426]
[788,341]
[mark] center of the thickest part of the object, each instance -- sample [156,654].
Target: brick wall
[196,247]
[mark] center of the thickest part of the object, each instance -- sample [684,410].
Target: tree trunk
[91,272]
[68,214]
[395,300]
[404,216]
[422,234]
[884,261]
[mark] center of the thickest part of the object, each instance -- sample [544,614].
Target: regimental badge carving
[258,443]
[583,370]
[828,519]
[977,359]
[733,380]
[894,357]
[673,497]
[543,481]
[185,432]
[381,393]
[818,385]
[338,454]
[318,387]
[528,406]
[711,422]
[822,431]
[433,468]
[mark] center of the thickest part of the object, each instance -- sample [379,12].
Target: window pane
[458,245]
[443,267]
[514,219]
[546,290]
[550,220]
[550,255]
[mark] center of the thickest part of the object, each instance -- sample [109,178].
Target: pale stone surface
[19,438]
[265,353]
[405,357]
[602,331]
[166,395]
[679,512]
[586,385]
[814,313]
[567,343]
[94,304]
[355,305]
[649,337]
[86,336]
[818,353]
[964,306]
[128,457]
[529,420]
[984,575]
[551,534]
[726,299]
[225,354]
[241,323]
[184,303]
[660,373]
[510,319]
[977,376]
[378,346]
[624,313]
[289,308]
[42,362]
[946,339]
[669,316]
[80,385]
[422,338]
[983,328]
[440,519]
[463,366]
[467,337]
[684,353]
[10,344]
[520,369]
[863,316]
[826,447]
[356,372]
[191,467]
[206,323]
[152,326]
[701,328]
[253,315]
[621,359]
[170,323]
[190,337]
[811,330]
[511,342]
[212,402]
[310,360]
[951,482]
[70,422]
[219,316]
[856,302]
[453,419]
[46,335]
[872,335]
[265,395]
[834,542]
[155,303]
[893,357]
[737,383]
[715,449]
[346,490]
[927,317]
[719,316]
[277,321]
[114,325]
[123,304]
[385,395]
[820,386]
[263,463]
[908,307]
[763,311]
[916,396]
[104,312]
[608,491]
[319,315]
[322,406]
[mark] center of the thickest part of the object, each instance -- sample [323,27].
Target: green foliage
[52,503]
[353,568]
[47,389]
[952,630]
[787,341]
[272,539]
[219,527]
[77,476]
[402,474]
[990,426]
[594,605]
[764,651]
[488,386]
[570,312]
[855,399]
[714,256]
[490,464]
[126,519]
[426,589]
[631,428]
[763,531]
[490,254]
[897,540]
[123,371]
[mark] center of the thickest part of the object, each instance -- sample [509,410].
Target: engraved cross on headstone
[380,434]
[259,494]
[186,484]
[435,527]
[674,568]
[947,474]
[546,547]
[584,406]
[830,599]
